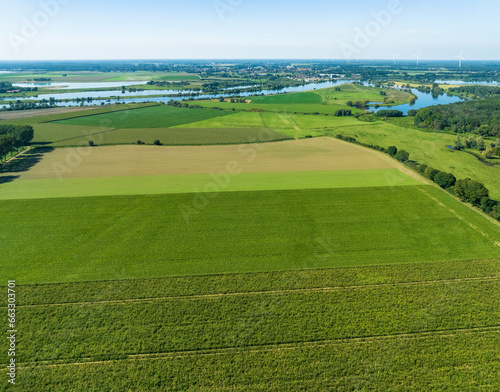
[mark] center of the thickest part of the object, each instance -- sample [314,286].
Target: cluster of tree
[21,105]
[475,193]
[358,104]
[164,83]
[13,138]
[476,91]
[7,86]
[343,113]
[478,143]
[389,113]
[481,117]
[435,90]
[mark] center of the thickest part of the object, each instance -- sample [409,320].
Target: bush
[412,113]
[91,143]
[445,180]
[487,204]
[402,156]
[389,113]
[157,142]
[140,142]
[392,151]
[431,173]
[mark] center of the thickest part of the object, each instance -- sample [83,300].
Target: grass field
[165,235]
[354,92]
[185,183]
[307,97]
[305,330]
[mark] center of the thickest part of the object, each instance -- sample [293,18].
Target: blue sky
[175,29]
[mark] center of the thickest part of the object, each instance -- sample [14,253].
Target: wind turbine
[417,56]
[395,56]
[460,57]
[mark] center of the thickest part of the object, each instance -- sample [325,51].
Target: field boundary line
[273,347]
[283,291]
[472,226]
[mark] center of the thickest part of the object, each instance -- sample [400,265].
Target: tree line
[13,138]
[467,190]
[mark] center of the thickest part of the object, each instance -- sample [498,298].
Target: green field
[382,327]
[307,97]
[167,184]
[161,116]
[165,235]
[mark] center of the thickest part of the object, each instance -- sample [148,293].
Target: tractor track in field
[283,291]
[271,347]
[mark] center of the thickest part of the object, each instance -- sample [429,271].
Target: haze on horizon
[248,29]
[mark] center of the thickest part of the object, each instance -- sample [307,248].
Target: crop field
[317,154]
[199,233]
[130,170]
[160,116]
[236,330]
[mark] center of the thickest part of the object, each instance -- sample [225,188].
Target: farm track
[284,291]
[445,333]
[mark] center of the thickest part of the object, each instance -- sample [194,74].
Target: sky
[248,29]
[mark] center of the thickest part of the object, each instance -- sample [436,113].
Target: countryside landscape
[248,223]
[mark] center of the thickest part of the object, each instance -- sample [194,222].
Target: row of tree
[13,138]
[467,190]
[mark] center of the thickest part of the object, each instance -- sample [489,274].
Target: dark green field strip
[109,331]
[158,116]
[133,237]
[184,136]
[296,98]
[90,112]
[458,362]
[122,290]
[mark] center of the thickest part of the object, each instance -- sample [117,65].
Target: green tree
[392,150]
[470,191]
[431,173]
[402,156]
[445,180]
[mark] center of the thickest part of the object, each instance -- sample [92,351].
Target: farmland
[230,258]
[176,234]
[237,329]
